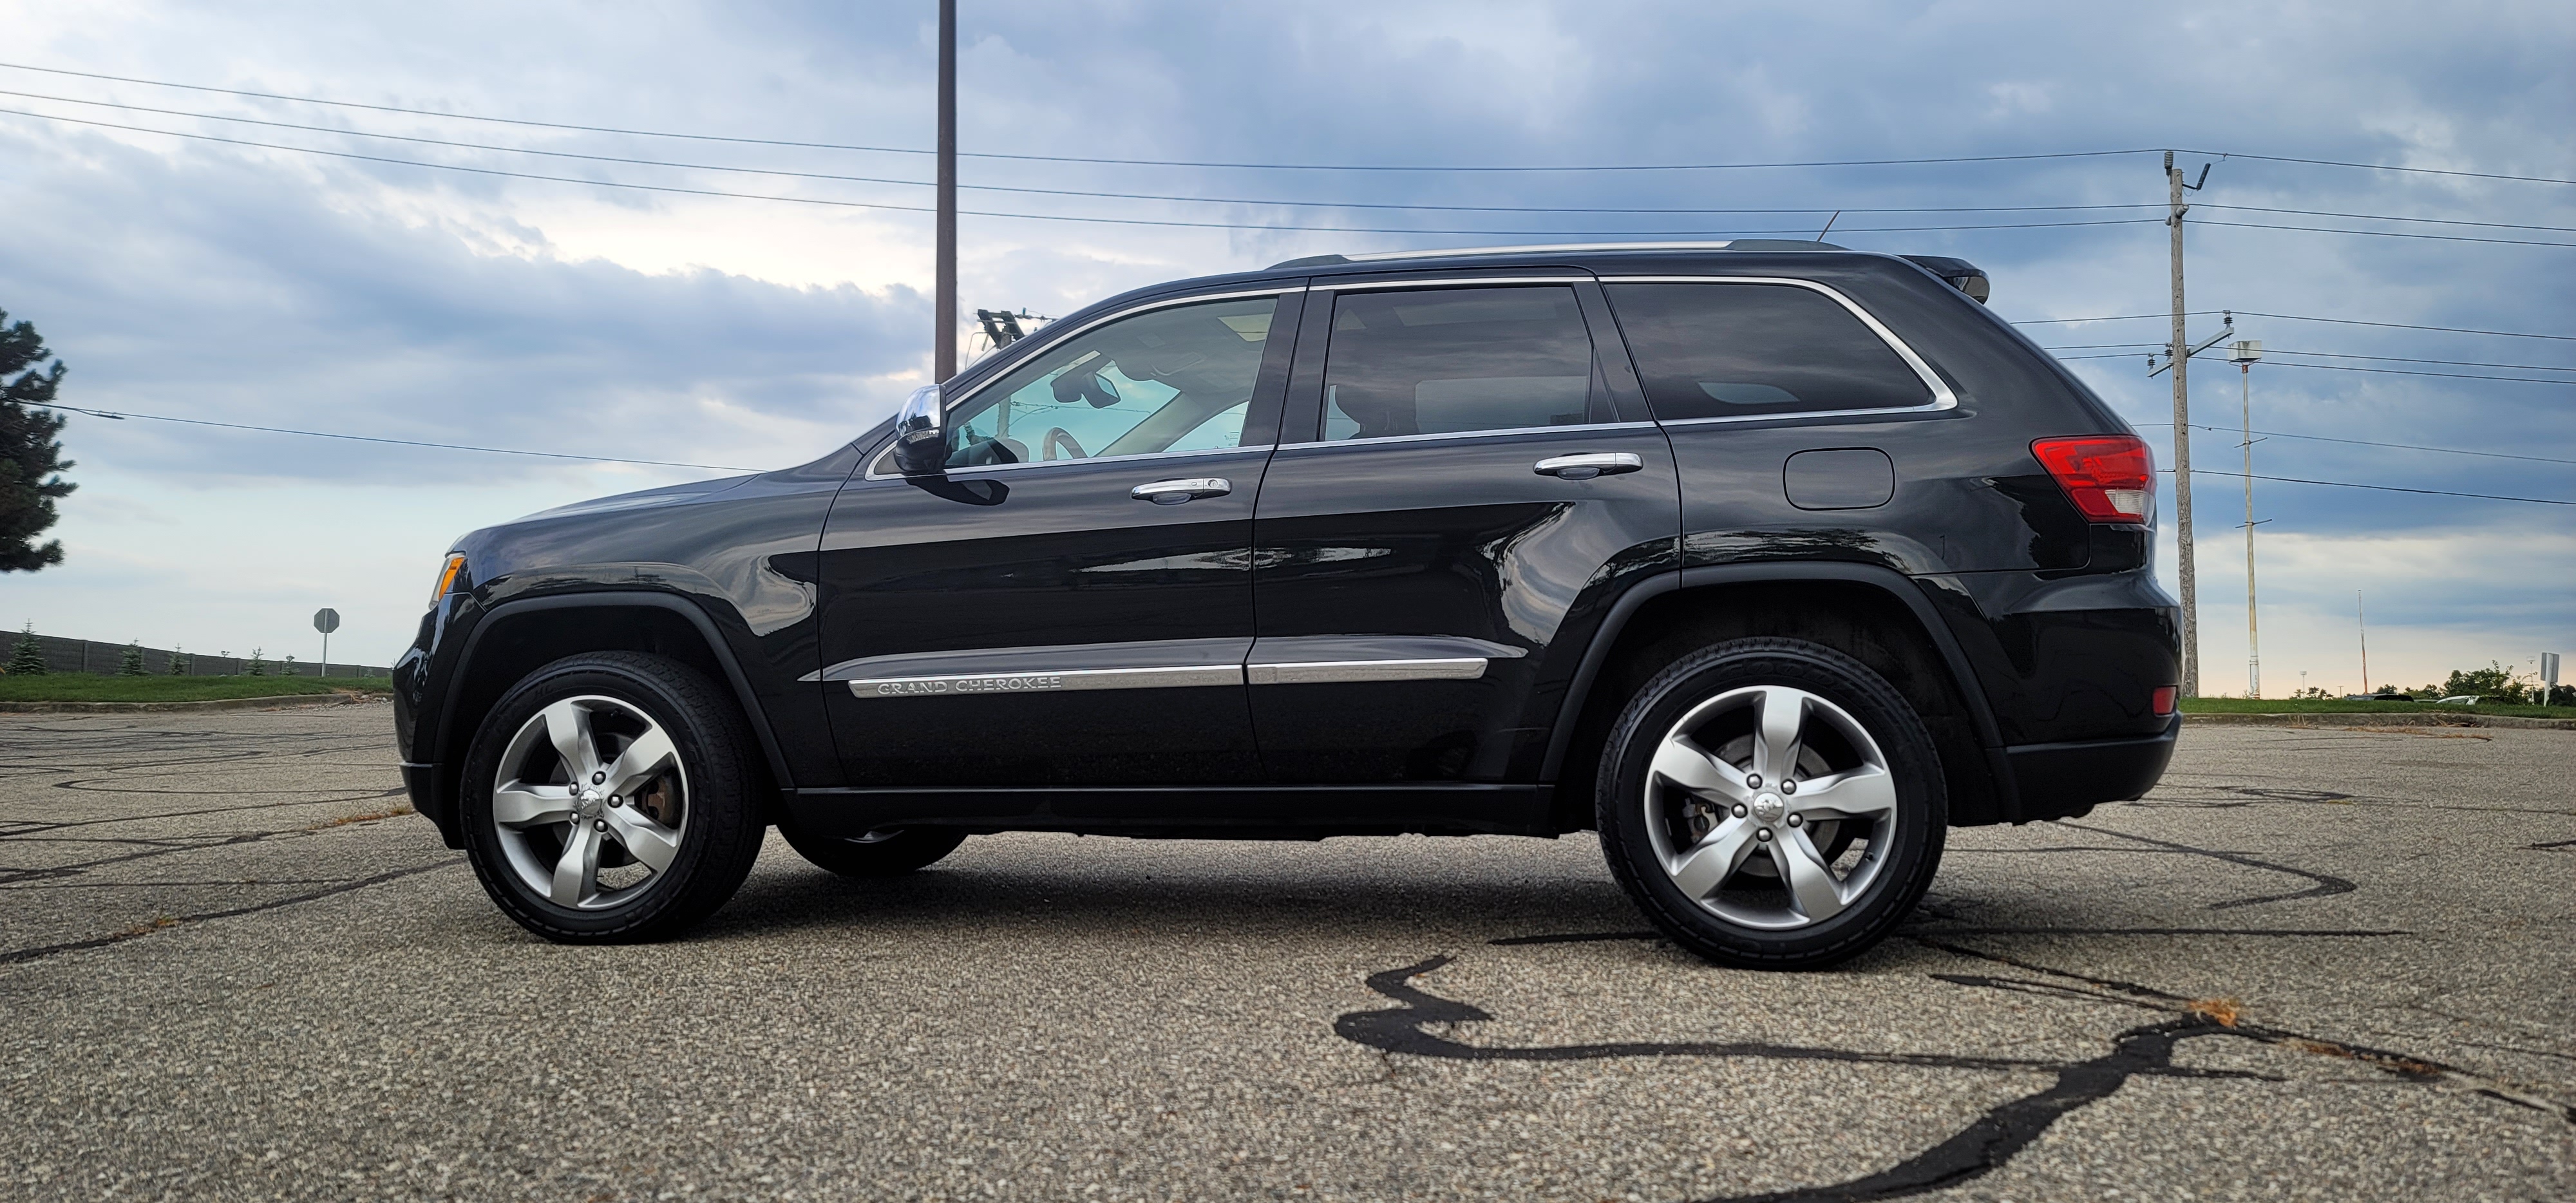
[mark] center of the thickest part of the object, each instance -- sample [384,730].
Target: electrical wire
[2256,225]
[363,438]
[2319,438]
[2475,175]
[911,150]
[2346,484]
[1114,221]
[2290,317]
[2457,363]
[1221,200]
[2341,367]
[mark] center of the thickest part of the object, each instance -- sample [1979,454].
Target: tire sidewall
[718,795]
[1921,799]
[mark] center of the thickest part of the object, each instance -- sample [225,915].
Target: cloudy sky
[188,277]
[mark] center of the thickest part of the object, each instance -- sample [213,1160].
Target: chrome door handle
[1174,492]
[1589,464]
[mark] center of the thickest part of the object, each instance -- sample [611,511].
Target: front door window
[1177,379]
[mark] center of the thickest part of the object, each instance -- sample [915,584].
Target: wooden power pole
[2182,442]
[944,304]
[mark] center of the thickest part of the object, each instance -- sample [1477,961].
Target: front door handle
[1174,492]
[1589,464]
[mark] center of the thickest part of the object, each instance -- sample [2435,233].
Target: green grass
[95,687]
[2339,706]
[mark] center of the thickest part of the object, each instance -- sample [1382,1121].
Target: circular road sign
[326,620]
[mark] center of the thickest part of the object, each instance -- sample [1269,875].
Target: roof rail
[1735,244]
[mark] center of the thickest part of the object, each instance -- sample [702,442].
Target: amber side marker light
[447,575]
[2110,477]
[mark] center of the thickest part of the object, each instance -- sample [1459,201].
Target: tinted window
[1728,350]
[1177,379]
[1441,362]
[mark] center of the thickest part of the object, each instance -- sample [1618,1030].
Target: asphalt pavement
[2329,964]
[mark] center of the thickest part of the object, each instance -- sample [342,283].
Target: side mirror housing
[921,434]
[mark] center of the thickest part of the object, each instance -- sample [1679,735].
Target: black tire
[1703,683]
[876,854]
[718,822]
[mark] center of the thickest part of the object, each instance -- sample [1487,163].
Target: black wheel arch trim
[717,645]
[1887,580]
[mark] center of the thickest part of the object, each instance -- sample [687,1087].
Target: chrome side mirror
[921,434]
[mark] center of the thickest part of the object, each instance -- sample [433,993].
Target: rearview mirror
[921,434]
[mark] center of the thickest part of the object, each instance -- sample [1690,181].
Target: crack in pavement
[1987,1143]
[2327,883]
[39,952]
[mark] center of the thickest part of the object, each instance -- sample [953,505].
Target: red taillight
[2111,477]
[2163,699]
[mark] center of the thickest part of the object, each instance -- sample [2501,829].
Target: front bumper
[2063,780]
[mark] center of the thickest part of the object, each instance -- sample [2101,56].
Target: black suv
[1767,561]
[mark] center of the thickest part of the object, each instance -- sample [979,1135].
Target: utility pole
[2181,351]
[944,304]
[2361,621]
[2244,354]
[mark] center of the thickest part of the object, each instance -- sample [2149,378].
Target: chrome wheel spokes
[1770,807]
[590,802]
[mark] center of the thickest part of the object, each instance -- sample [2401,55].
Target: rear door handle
[1589,464]
[1174,492]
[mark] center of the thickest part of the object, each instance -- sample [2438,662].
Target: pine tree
[258,667]
[288,669]
[131,664]
[178,662]
[31,459]
[28,656]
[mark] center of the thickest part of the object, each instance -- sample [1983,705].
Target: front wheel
[1772,804]
[607,799]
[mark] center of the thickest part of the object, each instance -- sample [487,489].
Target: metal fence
[91,656]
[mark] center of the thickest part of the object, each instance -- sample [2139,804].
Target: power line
[2268,351]
[2319,438]
[2346,484]
[909,150]
[2291,317]
[2343,367]
[2477,175]
[362,438]
[2256,225]
[1218,200]
[1114,221]
[1213,200]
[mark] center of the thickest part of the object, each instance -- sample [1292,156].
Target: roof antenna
[1829,225]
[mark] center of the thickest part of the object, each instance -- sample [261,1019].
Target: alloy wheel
[1770,807]
[590,801]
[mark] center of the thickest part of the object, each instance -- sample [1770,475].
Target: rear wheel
[884,853]
[1772,803]
[606,799]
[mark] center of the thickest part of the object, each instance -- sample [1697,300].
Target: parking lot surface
[2313,964]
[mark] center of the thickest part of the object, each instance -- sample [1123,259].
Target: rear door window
[1743,350]
[1452,361]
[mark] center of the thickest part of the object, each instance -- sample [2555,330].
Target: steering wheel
[1059,437]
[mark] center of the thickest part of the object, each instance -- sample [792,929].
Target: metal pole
[944,356]
[2362,621]
[2253,638]
[326,654]
[2182,443]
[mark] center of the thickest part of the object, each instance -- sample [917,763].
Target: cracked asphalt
[2328,964]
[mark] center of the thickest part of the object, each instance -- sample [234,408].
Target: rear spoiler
[1962,275]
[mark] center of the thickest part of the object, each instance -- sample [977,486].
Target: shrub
[28,656]
[130,664]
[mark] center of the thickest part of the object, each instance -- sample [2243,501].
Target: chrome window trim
[978,470]
[1575,431]
[1942,397]
[1356,285]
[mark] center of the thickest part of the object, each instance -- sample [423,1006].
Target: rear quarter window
[1721,350]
